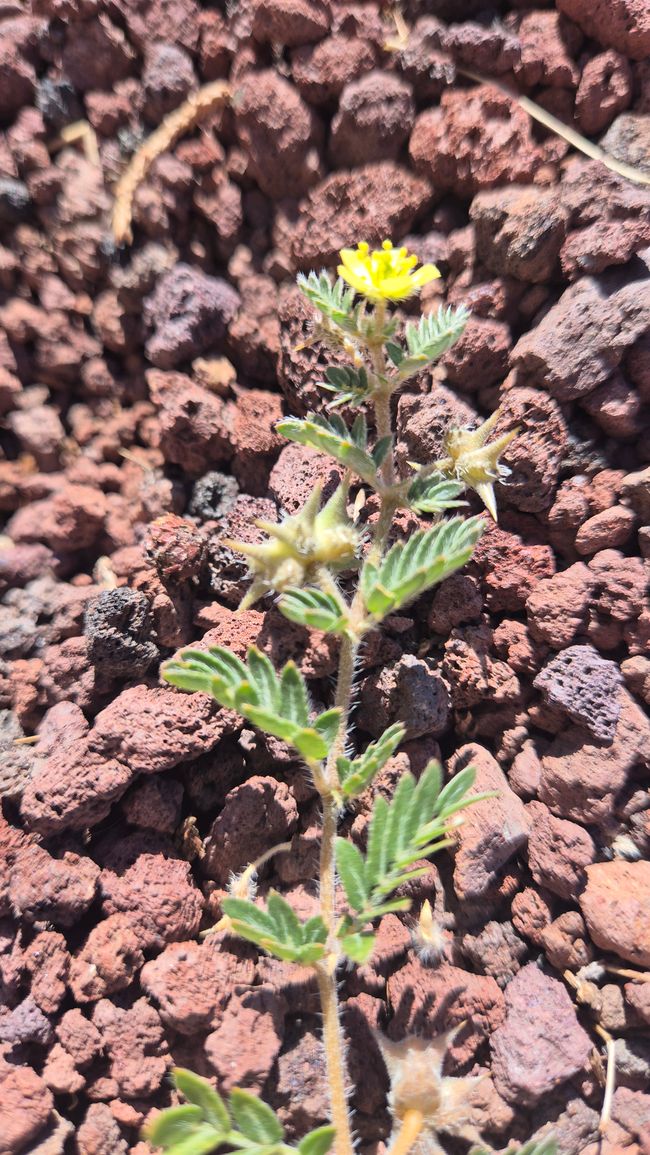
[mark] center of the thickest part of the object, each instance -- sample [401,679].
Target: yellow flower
[386,274]
[475,463]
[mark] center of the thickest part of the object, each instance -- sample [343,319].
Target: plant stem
[335,1056]
[408,1132]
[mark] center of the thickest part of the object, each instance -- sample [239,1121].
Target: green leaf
[435,494]
[202,1142]
[351,868]
[254,1118]
[277,929]
[410,568]
[313,608]
[277,705]
[357,774]
[334,300]
[174,1124]
[317,1142]
[199,1092]
[395,352]
[350,384]
[381,449]
[546,1146]
[327,726]
[411,827]
[331,436]
[358,947]
[430,337]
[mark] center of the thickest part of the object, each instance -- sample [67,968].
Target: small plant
[307,561]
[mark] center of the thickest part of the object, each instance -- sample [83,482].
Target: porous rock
[280,133]
[188,311]
[374,201]
[615,906]
[47,889]
[108,960]
[257,815]
[118,627]
[493,831]
[519,232]
[410,691]
[583,338]
[374,118]
[159,896]
[533,1054]
[620,24]
[191,982]
[558,852]
[585,686]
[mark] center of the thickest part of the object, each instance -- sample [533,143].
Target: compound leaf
[435,494]
[410,568]
[199,1092]
[313,608]
[356,774]
[317,1142]
[277,705]
[277,929]
[255,1119]
[430,337]
[331,435]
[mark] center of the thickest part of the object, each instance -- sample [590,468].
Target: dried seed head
[476,463]
[417,1083]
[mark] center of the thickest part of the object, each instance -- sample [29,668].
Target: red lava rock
[496,950]
[296,472]
[636,673]
[489,48]
[548,44]
[135,1043]
[256,815]
[637,996]
[457,600]
[73,788]
[158,896]
[176,548]
[476,139]
[255,442]
[511,570]
[519,232]
[374,118]
[605,89]
[321,71]
[301,1080]
[557,606]
[583,338]
[79,1037]
[411,691]
[424,419]
[99,1132]
[533,1054]
[26,1023]
[620,587]
[154,804]
[108,961]
[47,889]
[614,904]
[70,520]
[280,134]
[472,673]
[374,201]
[616,407]
[514,644]
[430,1001]
[194,424]
[558,852]
[189,312]
[47,962]
[635,490]
[607,530]
[492,832]
[156,728]
[581,780]
[623,24]
[259,1016]
[480,356]
[26,1108]
[585,686]
[167,78]
[96,54]
[566,942]
[290,22]
[191,982]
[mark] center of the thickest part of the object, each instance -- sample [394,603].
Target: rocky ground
[139,390]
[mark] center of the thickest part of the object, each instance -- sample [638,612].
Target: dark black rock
[118,628]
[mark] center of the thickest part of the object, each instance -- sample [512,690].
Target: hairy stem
[408,1132]
[335,1055]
